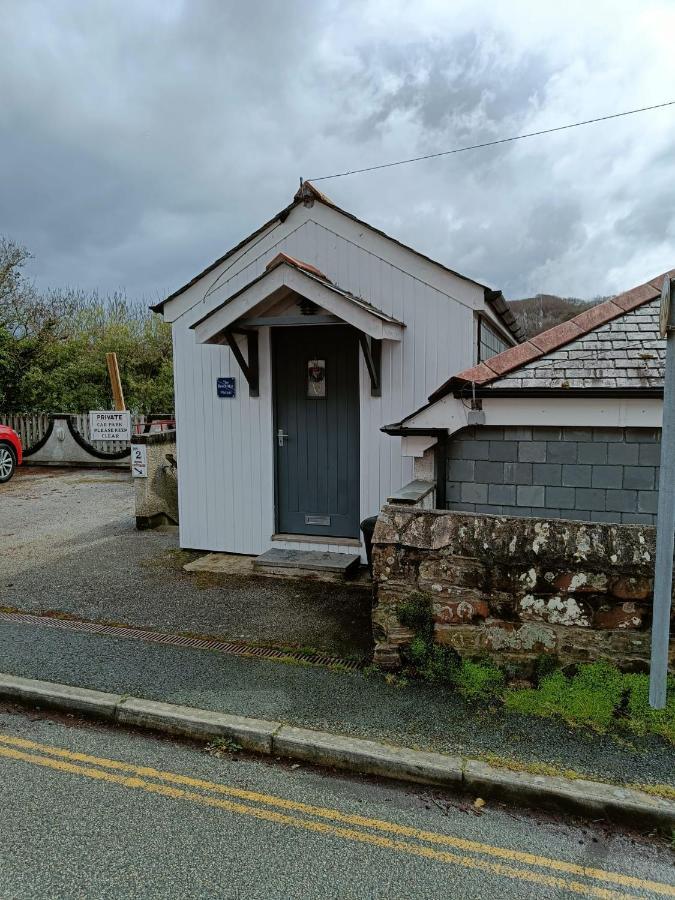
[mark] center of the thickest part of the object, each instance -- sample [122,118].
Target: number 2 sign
[139,461]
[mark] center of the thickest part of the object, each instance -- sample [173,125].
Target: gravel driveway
[68,543]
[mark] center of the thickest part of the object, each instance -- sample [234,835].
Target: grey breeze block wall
[588,474]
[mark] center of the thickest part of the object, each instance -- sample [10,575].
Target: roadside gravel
[68,543]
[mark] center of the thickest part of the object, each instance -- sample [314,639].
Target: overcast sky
[139,140]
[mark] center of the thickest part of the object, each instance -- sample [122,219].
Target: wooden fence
[31,426]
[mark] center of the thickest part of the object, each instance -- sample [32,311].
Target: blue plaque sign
[226,387]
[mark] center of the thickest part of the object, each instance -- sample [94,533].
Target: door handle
[281,436]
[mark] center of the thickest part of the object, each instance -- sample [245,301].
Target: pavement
[414,715]
[90,811]
[70,545]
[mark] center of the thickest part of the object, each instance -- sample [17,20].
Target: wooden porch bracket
[249,368]
[372,353]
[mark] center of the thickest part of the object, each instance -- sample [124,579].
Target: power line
[508,140]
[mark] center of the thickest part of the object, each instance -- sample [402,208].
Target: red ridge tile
[481,374]
[636,296]
[296,263]
[597,315]
[513,358]
[557,336]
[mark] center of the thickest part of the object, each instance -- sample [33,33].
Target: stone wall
[591,474]
[157,495]
[514,588]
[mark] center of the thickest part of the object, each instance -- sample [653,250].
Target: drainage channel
[233,648]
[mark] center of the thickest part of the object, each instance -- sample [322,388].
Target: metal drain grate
[234,648]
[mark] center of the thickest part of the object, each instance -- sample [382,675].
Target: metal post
[665,522]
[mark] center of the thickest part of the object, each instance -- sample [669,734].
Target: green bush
[53,346]
[545,664]
[430,662]
[418,652]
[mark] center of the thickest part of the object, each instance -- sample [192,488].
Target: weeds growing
[595,695]
[600,697]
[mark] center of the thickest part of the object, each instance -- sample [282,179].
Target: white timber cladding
[225,446]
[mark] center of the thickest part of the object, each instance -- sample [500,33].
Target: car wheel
[7,463]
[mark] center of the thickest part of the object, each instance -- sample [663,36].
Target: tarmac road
[89,811]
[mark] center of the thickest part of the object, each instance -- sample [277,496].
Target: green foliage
[598,696]
[418,652]
[416,614]
[479,680]
[442,665]
[438,664]
[53,347]
[545,664]
[642,719]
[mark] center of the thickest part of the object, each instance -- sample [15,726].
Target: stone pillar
[157,495]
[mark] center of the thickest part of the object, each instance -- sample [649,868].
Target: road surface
[89,811]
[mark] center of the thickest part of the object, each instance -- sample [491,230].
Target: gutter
[589,393]
[399,430]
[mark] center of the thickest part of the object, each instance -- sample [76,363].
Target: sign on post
[139,461]
[109,425]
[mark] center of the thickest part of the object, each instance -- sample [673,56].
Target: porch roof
[286,273]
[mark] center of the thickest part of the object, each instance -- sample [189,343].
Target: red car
[11,453]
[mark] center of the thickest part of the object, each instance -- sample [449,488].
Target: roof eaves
[495,300]
[306,193]
[307,272]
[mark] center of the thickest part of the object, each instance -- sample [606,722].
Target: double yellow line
[333,823]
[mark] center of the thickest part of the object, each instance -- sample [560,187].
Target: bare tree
[26,312]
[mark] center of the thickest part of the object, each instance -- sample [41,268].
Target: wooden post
[114,372]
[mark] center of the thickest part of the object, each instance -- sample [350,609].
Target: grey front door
[316,430]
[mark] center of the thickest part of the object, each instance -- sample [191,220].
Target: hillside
[539,313]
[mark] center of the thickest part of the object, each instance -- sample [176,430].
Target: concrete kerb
[587,798]
[60,696]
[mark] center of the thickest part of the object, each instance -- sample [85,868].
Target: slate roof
[626,352]
[612,345]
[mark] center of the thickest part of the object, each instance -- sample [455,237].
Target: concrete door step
[308,562]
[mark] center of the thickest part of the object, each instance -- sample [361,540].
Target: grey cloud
[139,141]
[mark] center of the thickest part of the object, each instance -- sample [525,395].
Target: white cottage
[291,352]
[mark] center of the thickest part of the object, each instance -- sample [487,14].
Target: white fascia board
[601,412]
[448,412]
[417,445]
[575,412]
[350,311]
[222,318]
